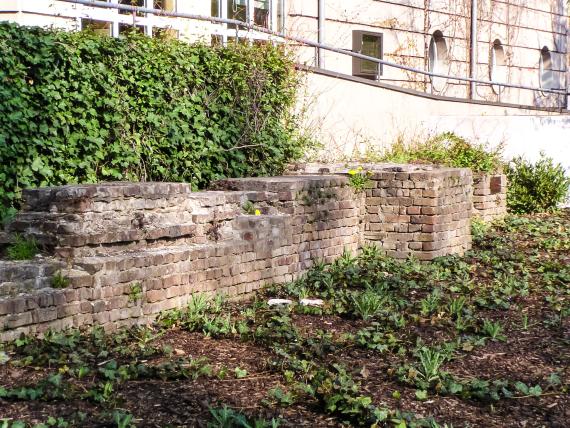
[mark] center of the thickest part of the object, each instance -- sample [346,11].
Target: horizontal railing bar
[311,43]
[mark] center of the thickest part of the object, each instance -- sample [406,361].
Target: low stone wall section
[128,251]
[490,196]
[125,272]
[411,210]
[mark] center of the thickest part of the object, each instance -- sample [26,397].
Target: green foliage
[430,362]
[226,417]
[248,207]
[479,228]
[367,304]
[493,329]
[81,108]
[359,179]
[59,280]
[535,188]
[122,419]
[446,149]
[22,248]
[135,292]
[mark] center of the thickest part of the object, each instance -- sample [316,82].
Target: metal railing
[283,37]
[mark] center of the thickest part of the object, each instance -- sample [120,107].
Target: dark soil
[245,370]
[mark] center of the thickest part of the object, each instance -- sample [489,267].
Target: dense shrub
[446,149]
[538,187]
[79,107]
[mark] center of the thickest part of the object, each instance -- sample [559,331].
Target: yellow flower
[352,172]
[359,168]
[257,212]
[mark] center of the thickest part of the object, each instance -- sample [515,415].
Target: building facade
[351,101]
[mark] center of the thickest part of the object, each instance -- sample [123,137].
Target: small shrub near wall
[79,107]
[536,187]
[446,149]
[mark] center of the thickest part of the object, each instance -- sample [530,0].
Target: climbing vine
[80,107]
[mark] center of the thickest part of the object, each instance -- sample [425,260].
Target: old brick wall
[412,210]
[490,196]
[131,250]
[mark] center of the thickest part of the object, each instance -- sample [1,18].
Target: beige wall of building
[522,27]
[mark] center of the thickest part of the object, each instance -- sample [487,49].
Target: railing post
[473,50]
[321,30]
[224,15]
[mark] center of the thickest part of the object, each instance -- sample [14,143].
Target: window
[369,44]
[546,72]
[264,11]
[166,5]
[261,13]
[215,8]
[237,9]
[438,60]
[129,28]
[139,3]
[98,27]
[497,66]
[280,5]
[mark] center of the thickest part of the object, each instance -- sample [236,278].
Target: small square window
[261,13]
[139,3]
[165,5]
[165,33]
[128,28]
[98,27]
[369,44]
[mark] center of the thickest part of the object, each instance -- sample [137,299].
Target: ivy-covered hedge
[79,107]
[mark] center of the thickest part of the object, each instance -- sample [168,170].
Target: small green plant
[248,207]
[524,322]
[455,307]
[226,417]
[7,214]
[359,179]
[22,248]
[240,373]
[122,419]
[283,398]
[479,228]
[493,329]
[430,303]
[198,305]
[430,362]
[538,187]
[135,292]
[367,304]
[446,149]
[58,280]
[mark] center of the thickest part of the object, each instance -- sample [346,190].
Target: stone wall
[419,212]
[490,196]
[128,251]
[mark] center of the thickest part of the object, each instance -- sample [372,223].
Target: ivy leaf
[522,388]
[240,373]
[421,394]
[535,391]
[4,358]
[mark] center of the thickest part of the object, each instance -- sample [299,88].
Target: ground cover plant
[479,340]
[83,108]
